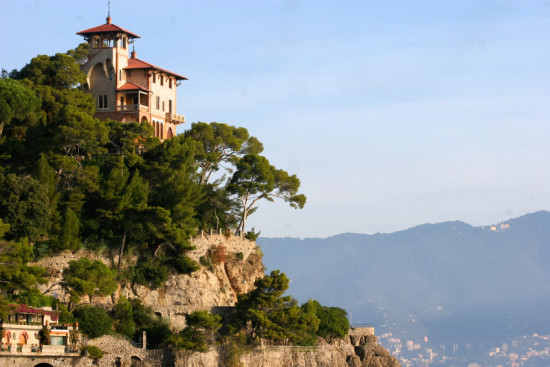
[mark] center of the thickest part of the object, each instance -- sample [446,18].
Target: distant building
[126,88]
[21,328]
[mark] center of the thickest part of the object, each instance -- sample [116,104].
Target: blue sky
[392,113]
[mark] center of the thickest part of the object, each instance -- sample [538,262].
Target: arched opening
[43,365]
[170,134]
[23,337]
[98,76]
[136,362]
[143,119]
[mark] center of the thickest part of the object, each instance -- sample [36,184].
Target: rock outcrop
[210,288]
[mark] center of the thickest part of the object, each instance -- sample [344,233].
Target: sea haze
[449,282]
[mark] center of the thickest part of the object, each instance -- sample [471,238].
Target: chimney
[133,55]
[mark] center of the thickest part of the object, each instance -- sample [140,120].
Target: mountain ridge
[431,273]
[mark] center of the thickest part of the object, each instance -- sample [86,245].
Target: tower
[126,88]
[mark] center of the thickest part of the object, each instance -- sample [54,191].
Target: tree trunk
[121,251]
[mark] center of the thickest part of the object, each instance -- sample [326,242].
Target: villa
[21,332]
[126,88]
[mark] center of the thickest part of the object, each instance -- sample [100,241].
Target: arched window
[170,134]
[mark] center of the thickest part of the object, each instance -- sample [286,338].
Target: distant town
[529,350]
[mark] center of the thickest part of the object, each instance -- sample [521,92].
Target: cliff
[216,286]
[211,287]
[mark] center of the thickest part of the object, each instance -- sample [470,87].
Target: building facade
[21,329]
[126,88]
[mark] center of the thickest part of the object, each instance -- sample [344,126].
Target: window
[158,103]
[123,42]
[161,80]
[170,83]
[154,77]
[122,101]
[120,75]
[162,106]
[95,42]
[102,101]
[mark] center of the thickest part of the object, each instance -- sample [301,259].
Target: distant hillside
[447,280]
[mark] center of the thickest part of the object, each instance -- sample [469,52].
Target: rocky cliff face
[210,287]
[359,350]
[215,286]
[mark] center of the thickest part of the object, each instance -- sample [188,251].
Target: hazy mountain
[449,281]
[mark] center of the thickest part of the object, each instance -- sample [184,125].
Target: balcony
[174,118]
[132,108]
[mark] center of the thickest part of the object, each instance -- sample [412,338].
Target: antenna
[109,8]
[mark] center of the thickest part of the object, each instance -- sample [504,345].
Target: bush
[94,321]
[218,254]
[333,320]
[93,352]
[252,235]
[123,316]
[44,336]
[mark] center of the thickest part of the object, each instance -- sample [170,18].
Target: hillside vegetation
[69,181]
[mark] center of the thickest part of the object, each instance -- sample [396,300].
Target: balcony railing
[132,108]
[175,118]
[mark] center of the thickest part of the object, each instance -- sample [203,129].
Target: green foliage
[220,143]
[92,352]
[333,320]
[15,272]
[123,317]
[94,321]
[230,352]
[88,277]
[189,338]
[252,235]
[255,179]
[68,239]
[203,320]
[44,336]
[157,328]
[34,298]
[65,316]
[266,314]
[24,206]
[17,102]
[148,272]
[69,180]
[199,333]
[4,307]
[60,71]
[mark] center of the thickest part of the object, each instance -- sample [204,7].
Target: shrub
[252,235]
[93,352]
[44,336]
[218,254]
[123,316]
[94,321]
